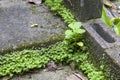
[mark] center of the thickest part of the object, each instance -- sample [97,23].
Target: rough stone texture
[85,9]
[104,45]
[42,75]
[16,18]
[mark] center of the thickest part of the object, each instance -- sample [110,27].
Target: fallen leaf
[80,76]
[51,66]
[80,44]
[72,77]
[109,4]
[45,70]
[6,78]
[72,65]
[76,76]
[34,25]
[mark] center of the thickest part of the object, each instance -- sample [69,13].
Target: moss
[33,45]
[102,64]
[33,9]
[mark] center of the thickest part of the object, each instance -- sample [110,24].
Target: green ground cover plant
[72,48]
[77,38]
[25,60]
[58,8]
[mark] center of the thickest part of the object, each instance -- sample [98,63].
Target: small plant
[74,36]
[116,25]
[112,23]
[105,18]
[75,32]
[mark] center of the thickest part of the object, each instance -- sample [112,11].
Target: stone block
[16,32]
[85,9]
[104,46]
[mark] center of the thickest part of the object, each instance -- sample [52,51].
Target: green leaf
[117,29]
[75,25]
[68,34]
[115,20]
[80,44]
[105,18]
[80,31]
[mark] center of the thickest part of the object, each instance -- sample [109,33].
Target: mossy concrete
[103,43]
[104,46]
[85,9]
[16,18]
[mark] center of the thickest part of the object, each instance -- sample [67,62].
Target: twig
[79,76]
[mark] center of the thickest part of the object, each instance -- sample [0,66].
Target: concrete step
[104,46]
[16,33]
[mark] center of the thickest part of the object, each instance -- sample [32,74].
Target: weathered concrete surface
[16,18]
[104,45]
[42,75]
[85,9]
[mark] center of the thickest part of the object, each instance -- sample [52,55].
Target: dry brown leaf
[6,78]
[118,11]
[51,66]
[80,76]
[76,76]
[109,4]
[72,65]
[72,77]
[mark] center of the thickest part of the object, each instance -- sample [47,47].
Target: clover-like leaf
[75,25]
[80,31]
[68,34]
[106,19]
[80,44]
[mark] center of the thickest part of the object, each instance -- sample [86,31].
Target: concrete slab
[16,18]
[85,9]
[104,46]
[42,75]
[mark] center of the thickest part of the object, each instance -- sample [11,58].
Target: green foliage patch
[58,8]
[113,23]
[71,49]
[74,36]
[91,71]
[21,61]
[25,60]
[73,39]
